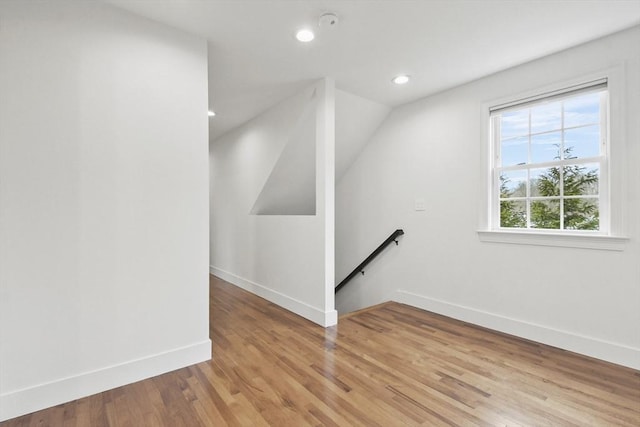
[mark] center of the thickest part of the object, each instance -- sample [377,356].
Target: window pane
[513,184]
[581,180]
[582,142]
[545,147]
[513,213]
[550,159]
[514,151]
[581,110]
[545,214]
[514,123]
[545,182]
[546,117]
[581,214]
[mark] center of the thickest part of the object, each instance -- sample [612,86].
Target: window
[550,162]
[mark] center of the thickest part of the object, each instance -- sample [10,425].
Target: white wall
[583,300]
[357,119]
[103,201]
[287,259]
[290,188]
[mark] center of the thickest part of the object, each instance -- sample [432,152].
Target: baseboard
[599,349]
[20,402]
[300,308]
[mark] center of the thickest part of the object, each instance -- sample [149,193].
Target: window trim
[613,237]
[564,240]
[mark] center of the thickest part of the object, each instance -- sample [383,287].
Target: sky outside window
[536,134]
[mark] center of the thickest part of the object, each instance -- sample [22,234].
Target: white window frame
[610,236]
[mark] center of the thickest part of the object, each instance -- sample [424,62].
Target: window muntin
[550,164]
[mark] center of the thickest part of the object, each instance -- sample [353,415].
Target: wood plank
[387,365]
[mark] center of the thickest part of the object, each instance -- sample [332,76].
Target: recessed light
[401,79]
[305,35]
[211,113]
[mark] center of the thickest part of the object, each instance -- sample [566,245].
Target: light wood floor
[392,365]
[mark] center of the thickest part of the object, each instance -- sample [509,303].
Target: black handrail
[359,269]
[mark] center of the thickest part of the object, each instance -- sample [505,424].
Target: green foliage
[579,213]
[545,214]
[512,213]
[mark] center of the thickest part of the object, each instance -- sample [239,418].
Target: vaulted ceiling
[255,60]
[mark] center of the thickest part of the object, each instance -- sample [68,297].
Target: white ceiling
[255,61]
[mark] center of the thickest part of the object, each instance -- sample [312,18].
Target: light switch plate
[420,205]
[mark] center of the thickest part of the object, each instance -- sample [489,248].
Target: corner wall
[582,300]
[286,258]
[103,202]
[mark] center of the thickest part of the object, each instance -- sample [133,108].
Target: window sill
[582,241]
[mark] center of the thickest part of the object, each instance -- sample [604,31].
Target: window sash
[602,160]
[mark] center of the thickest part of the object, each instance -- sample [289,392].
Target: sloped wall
[290,188]
[357,119]
[585,300]
[264,235]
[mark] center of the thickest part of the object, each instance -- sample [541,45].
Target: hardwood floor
[391,365]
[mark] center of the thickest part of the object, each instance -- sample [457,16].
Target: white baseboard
[604,350]
[300,308]
[20,402]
